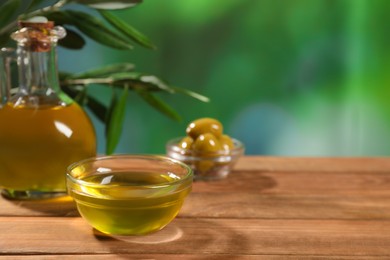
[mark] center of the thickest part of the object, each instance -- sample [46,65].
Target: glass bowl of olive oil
[207,165]
[129,194]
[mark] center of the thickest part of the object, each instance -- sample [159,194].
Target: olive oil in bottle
[42,131]
[38,144]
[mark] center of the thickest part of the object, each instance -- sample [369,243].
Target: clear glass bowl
[129,194]
[212,166]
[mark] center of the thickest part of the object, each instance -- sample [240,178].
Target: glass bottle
[42,131]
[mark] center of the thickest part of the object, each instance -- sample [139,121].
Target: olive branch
[107,29]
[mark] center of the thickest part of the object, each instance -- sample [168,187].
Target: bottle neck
[37,64]
[38,74]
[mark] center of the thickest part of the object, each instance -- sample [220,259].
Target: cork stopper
[37,35]
[44,27]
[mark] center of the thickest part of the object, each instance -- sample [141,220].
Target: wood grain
[267,208]
[194,257]
[208,236]
[314,164]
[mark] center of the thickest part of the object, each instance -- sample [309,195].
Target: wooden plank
[316,164]
[192,257]
[40,235]
[261,195]
[306,182]
[268,208]
[240,205]
[249,205]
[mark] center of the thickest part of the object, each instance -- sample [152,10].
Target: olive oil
[37,144]
[125,203]
[42,131]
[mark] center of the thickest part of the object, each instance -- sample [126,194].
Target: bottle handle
[5,74]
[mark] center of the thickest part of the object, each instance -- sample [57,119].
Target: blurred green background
[287,77]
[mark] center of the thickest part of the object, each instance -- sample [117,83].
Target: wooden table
[268,208]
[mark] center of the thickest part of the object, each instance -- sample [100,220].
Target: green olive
[206,143]
[186,143]
[226,142]
[204,166]
[203,126]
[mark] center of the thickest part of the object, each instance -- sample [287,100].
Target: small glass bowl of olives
[206,149]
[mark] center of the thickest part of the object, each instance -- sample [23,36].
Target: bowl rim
[186,177]
[171,146]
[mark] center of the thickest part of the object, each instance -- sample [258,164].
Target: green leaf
[147,81]
[63,76]
[111,5]
[69,91]
[191,94]
[7,10]
[104,71]
[60,17]
[34,4]
[151,79]
[96,30]
[97,108]
[123,76]
[114,123]
[158,104]
[74,93]
[113,103]
[82,97]
[4,39]
[72,40]
[127,30]
[143,79]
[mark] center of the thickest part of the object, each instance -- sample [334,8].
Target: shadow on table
[182,236]
[168,234]
[247,181]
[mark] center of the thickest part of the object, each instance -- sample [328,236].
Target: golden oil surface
[38,144]
[129,204]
